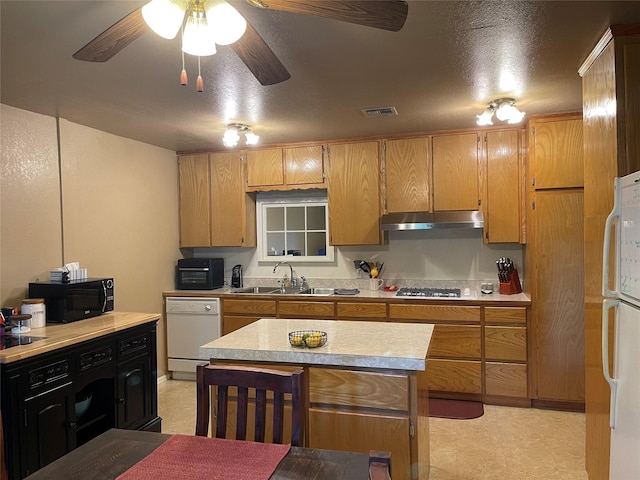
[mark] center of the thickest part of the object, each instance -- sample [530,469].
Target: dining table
[118,453]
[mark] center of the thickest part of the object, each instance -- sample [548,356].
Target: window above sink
[293,226]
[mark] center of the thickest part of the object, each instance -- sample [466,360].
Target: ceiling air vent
[380,112]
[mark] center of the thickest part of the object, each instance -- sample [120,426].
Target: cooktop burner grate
[429,292]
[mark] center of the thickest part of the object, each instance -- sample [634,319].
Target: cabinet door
[558,300]
[49,427]
[195,214]
[304,165]
[502,220]
[407,175]
[133,392]
[455,172]
[557,152]
[232,210]
[353,194]
[264,167]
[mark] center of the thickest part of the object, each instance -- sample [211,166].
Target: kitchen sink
[263,290]
[272,290]
[318,291]
[287,291]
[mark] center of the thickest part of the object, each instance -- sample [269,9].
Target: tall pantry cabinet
[554,257]
[611,114]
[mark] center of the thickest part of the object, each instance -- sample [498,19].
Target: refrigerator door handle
[607,305]
[615,214]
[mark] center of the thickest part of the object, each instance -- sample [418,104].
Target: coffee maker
[236,276]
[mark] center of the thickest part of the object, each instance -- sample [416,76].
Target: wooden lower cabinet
[506,379]
[365,410]
[476,351]
[361,432]
[459,376]
[237,313]
[301,309]
[362,311]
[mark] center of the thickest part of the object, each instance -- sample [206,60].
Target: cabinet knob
[121,400]
[73,425]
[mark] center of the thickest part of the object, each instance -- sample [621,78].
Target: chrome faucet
[294,281]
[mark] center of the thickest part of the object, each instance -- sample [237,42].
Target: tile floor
[504,444]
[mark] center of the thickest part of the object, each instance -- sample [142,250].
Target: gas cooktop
[429,292]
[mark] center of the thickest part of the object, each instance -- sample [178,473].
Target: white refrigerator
[624,298]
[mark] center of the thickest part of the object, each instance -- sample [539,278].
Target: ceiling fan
[250,47]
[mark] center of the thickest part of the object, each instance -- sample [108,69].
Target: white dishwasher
[191,322]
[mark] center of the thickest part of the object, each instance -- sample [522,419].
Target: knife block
[512,286]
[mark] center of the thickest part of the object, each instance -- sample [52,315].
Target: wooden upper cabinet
[556,152]
[407,175]
[304,165]
[354,194]
[264,167]
[232,210]
[195,213]
[455,172]
[502,203]
[287,168]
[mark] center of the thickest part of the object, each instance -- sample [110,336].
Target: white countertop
[402,346]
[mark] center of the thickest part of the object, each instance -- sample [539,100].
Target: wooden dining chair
[263,380]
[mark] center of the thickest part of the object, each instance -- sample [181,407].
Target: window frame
[305,199]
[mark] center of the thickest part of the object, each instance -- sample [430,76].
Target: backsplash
[417,258]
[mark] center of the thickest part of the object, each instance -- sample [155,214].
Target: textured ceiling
[444,66]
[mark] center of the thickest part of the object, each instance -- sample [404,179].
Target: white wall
[116,212]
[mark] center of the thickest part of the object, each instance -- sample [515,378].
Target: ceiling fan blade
[384,14]
[114,38]
[259,58]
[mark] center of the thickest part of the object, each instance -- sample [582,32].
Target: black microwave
[199,273]
[74,300]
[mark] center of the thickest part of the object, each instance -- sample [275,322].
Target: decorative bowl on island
[307,338]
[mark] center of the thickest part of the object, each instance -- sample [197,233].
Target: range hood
[431,220]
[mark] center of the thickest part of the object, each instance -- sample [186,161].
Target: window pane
[275,241]
[275,219]
[295,218]
[316,244]
[295,243]
[316,218]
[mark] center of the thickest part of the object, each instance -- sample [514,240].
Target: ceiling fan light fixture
[226,22]
[165,17]
[198,38]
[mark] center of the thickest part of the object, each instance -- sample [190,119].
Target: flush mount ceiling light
[204,23]
[504,109]
[231,136]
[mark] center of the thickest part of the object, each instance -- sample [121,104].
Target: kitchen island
[361,386]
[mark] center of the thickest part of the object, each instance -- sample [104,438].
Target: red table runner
[187,457]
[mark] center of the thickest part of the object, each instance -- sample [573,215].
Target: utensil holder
[512,286]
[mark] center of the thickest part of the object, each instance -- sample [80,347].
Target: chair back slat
[278,417]
[241,414]
[260,423]
[221,418]
[263,381]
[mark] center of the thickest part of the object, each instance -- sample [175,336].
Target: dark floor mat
[454,409]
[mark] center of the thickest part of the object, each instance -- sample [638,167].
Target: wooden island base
[354,401]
